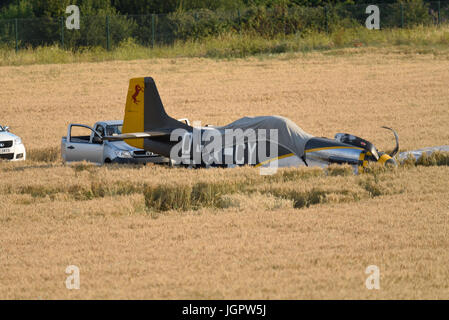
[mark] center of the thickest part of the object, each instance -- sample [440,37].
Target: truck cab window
[114,129]
[100,130]
[80,134]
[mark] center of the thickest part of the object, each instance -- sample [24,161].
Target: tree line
[10,9]
[107,23]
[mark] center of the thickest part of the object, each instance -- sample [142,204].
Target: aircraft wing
[137,135]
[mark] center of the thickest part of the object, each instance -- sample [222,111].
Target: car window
[100,130]
[80,134]
[116,129]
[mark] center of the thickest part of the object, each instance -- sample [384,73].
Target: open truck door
[89,147]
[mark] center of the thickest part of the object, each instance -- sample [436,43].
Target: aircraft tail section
[144,111]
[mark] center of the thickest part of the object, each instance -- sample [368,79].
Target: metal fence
[164,29]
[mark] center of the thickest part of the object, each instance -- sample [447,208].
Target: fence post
[439,9]
[108,40]
[402,15]
[16,31]
[62,32]
[284,20]
[240,20]
[153,32]
[326,23]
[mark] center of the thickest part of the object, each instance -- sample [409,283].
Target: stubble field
[302,233]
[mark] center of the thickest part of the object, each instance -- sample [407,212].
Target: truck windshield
[116,129]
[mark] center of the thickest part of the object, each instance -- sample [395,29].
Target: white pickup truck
[11,146]
[92,148]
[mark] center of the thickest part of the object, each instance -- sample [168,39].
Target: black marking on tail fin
[155,116]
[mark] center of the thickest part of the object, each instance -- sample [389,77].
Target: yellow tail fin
[145,113]
[134,111]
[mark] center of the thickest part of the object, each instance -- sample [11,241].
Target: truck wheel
[107,160]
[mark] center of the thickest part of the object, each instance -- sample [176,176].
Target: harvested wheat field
[155,232]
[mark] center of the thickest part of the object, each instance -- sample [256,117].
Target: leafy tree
[145,6]
[17,9]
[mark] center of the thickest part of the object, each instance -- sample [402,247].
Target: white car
[11,146]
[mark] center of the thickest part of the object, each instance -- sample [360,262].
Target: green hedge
[268,22]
